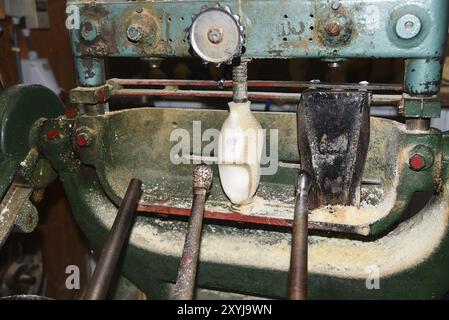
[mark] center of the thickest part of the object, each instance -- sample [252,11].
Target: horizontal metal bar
[211,216]
[377,99]
[259,84]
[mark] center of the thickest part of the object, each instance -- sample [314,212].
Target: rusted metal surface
[254,96]
[105,269]
[185,282]
[258,84]
[298,273]
[334,154]
[383,94]
[11,204]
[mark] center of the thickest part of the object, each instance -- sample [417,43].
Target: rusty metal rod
[377,99]
[185,282]
[258,84]
[299,250]
[104,271]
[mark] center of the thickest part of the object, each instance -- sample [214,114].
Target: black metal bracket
[333,138]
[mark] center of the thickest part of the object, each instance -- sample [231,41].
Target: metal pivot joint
[109,257]
[299,249]
[185,282]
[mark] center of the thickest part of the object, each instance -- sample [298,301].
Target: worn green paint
[284,33]
[20,109]
[423,76]
[137,143]
[421,107]
[131,143]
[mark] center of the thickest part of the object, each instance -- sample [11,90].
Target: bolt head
[215,35]
[134,33]
[53,134]
[89,31]
[71,112]
[408,26]
[82,140]
[333,28]
[417,162]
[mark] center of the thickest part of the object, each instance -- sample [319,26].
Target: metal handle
[299,250]
[185,282]
[104,271]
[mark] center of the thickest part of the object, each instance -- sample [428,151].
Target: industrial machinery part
[298,260]
[185,282]
[358,219]
[333,138]
[107,263]
[216,34]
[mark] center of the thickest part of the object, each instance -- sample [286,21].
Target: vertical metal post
[91,73]
[185,282]
[299,250]
[104,271]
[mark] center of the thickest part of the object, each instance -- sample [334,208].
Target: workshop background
[58,241]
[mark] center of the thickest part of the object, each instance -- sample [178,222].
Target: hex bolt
[408,26]
[134,33]
[333,28]
[89,31]
[82,139]
[417,162]
[71,112]
[215,35]
[53,134]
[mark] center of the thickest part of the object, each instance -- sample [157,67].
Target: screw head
[134,33]
[417,162]
[215,35]
[333,28]
[408,26]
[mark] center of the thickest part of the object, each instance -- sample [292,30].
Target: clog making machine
[328,216]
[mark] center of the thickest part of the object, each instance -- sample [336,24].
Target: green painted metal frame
[293,29]
[95,179]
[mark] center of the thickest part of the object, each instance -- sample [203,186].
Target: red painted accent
[417,162]
[81,140]
[101,96]
[214,215]
[71,112]
[53,134]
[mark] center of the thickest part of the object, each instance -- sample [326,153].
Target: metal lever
[185,282]
[298,257]
[104,271]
